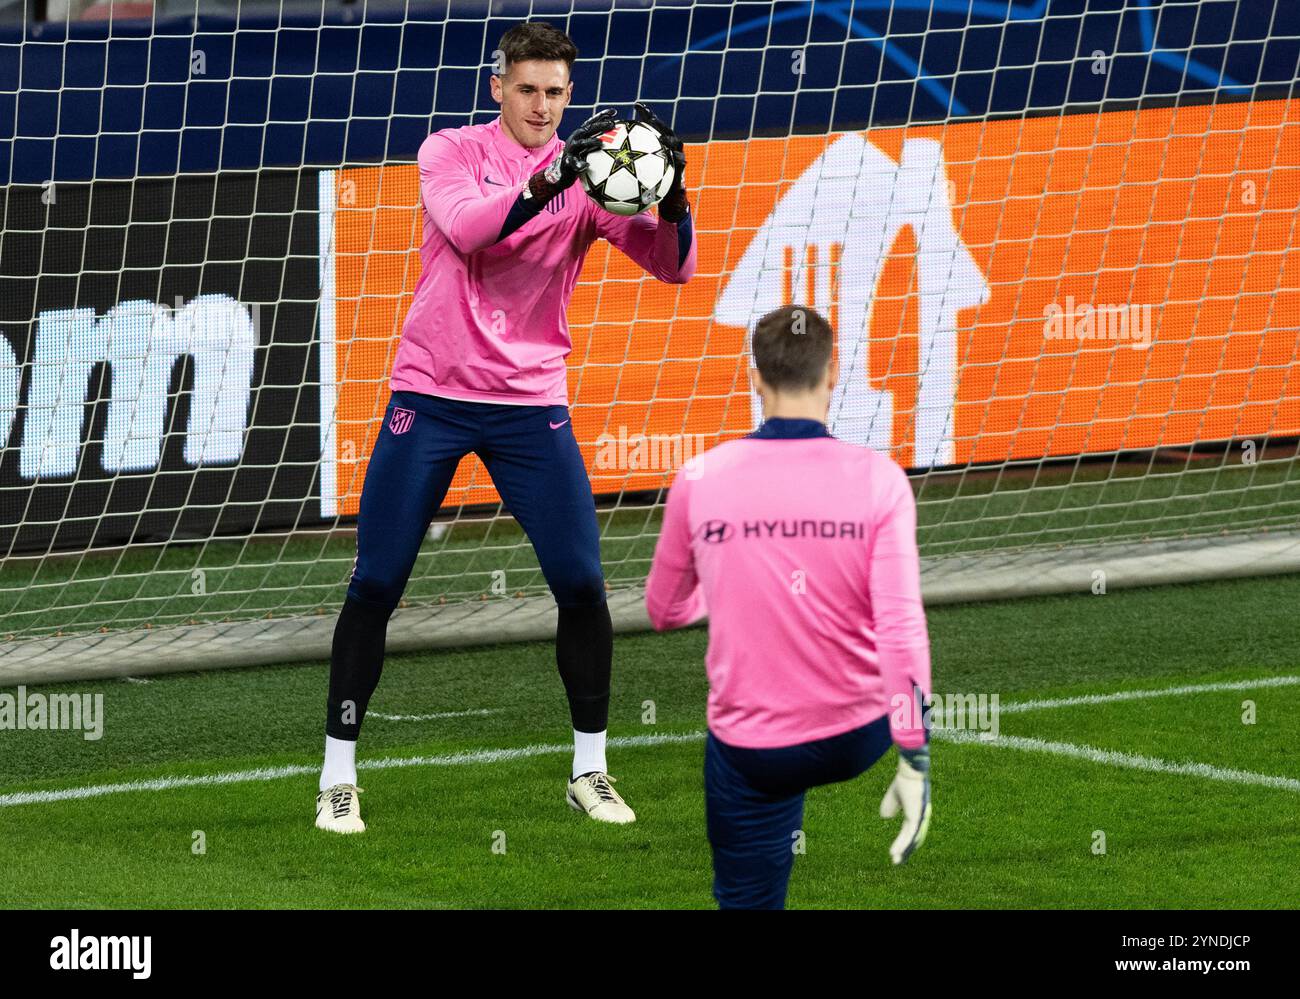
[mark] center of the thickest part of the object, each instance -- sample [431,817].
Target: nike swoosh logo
[557,426]
[489,180]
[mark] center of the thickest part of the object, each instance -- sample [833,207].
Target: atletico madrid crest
[401,420]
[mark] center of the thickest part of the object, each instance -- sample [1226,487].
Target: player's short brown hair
[792,347]
[535,40]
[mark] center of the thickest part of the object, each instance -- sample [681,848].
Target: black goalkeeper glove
[674,205]
[564,169]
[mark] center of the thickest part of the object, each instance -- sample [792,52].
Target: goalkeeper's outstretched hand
[564,169]
[674,205]
[671,140]
[910,791]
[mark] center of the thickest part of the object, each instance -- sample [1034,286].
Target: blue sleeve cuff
[520,212]
[685,235]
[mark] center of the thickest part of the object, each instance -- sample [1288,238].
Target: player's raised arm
[673,595]
[560,173]
[472,220]
[468,218]
[663,247]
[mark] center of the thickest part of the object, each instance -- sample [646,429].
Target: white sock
[340,763]
[588,752]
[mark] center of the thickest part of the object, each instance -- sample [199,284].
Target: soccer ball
[632,170]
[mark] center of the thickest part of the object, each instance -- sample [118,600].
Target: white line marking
[1015,707]
[475,712]
[157,784]
[277,773]
[133,679]
[1130,761]
[1089,753]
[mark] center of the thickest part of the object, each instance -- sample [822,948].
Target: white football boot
[338,810]
[591,793]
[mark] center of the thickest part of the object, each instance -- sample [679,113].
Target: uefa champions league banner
[156,344]
[1001,290]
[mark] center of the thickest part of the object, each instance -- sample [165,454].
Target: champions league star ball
[632,170]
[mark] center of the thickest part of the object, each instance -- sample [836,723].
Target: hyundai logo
[714,532]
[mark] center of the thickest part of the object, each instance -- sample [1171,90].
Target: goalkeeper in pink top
[802,551]
[481,368]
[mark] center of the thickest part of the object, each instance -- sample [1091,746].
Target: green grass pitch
[1014,825]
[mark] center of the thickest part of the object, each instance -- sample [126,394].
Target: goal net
[1060,251]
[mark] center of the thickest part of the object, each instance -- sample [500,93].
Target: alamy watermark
[951,712]
[1086,321]
[31,712]
[78,952]
[646,452]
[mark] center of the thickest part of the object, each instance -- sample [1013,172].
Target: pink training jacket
[487,322]
[802,551]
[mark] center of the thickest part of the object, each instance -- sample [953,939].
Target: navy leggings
[533,458]
[754,806]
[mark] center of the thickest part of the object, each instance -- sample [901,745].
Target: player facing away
[481,368]
[802,551]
